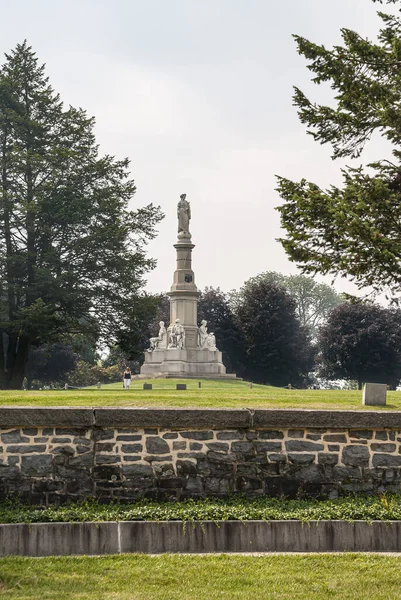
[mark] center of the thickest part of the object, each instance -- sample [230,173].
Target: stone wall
[53,455]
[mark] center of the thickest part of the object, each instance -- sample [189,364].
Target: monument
[184,349]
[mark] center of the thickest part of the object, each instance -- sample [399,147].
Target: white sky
[197,93]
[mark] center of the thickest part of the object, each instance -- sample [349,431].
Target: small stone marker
[250,385]
[199,384]
[147,386]
[374,394]
[181,386]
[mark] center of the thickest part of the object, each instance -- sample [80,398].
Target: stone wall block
[301,458]
[137,471]
[156,445]
[107,459]
[332,437]
[179,445]
[36,465]
[268,446]
[347,473]
[386,460]
[383,447]
[194,446]
[296,433]
[230,435]
[14,437]
[26,449]
[240,446]
[301,446]
[224,458]
[355,456]
[186,467]
[271,435]
[361,434]
[197,435]
[30,431]
[134,448]
[151,458]
[194,486]
[327,458]
[218,446]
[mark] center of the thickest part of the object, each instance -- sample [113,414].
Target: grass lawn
[208,577]
[212,394]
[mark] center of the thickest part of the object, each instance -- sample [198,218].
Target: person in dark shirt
[127,378]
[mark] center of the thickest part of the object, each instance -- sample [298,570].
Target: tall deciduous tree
[278,349]
[361,342]
[71,253]
[353,230]
[313,300]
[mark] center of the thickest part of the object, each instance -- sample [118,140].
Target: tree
[50,363]
[72,256]
[313,300]
[278,349]
[214,307]
[133,339]
[361,342]
[353,230]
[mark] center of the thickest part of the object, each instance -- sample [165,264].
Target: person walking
[127,378]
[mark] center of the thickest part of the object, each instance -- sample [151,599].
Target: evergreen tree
[361,342]
[71,253]
[353,230]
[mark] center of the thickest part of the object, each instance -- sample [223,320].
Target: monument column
[183,292]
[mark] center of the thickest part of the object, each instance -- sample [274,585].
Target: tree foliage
[278,349]
[361,342]
[353,230]
[133,338]
[72,255]
[214,307]
[313,300]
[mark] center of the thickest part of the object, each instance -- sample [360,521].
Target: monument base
[175,362]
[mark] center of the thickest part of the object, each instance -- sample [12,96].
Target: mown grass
[212,394]
[238,508]
[208,577]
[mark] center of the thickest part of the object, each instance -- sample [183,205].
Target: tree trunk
[12,376]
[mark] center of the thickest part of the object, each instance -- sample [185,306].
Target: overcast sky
[197,93]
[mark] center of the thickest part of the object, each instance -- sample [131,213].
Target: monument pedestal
[174,362]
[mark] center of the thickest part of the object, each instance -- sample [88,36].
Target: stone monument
[184,349]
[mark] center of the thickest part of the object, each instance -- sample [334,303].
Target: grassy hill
[212,394]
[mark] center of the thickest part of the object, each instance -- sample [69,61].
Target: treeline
[278,330]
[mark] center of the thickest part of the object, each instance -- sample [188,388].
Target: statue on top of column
[183,214]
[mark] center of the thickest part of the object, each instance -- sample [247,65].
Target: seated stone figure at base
[211,342]
[202,335]
[159,342]
[177,336]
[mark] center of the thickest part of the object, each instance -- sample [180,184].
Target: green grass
[213,394]
[238,508]
[207,577]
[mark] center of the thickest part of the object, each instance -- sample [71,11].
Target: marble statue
[202,335]
[183,214]
[177,336]
[159,342]
[211,342]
